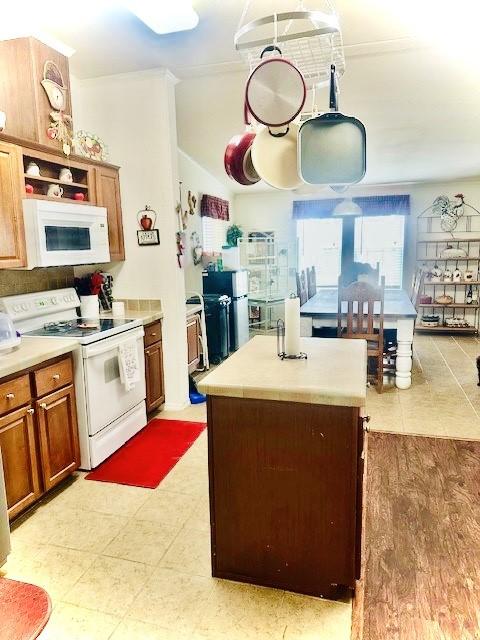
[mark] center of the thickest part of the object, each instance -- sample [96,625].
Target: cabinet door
[108,195]
[12,237]
[154,376]
[58,431]
[17,442]
[193,344]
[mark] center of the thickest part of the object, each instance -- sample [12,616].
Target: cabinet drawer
[14,394]
[53,377]
[153,333]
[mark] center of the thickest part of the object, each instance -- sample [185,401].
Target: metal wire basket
[312,40]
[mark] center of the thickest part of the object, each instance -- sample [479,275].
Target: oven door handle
[110,344]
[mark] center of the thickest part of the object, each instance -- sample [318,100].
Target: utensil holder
[281,344]
[89,306]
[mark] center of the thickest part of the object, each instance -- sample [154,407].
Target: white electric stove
[108,414]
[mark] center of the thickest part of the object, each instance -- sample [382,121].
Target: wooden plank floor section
[422,540]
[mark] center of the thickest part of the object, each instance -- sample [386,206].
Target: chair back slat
[302,287]
[364,316]
[311,282]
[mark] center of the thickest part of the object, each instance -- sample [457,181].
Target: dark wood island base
[286,493]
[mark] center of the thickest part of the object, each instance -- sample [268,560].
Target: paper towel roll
[292,326]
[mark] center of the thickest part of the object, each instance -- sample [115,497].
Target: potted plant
[234,232]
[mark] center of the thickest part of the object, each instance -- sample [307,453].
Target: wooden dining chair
[361,317]
[417,283]
[311,282]
[302,287]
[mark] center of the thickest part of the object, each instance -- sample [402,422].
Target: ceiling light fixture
[347,207]
[164,17]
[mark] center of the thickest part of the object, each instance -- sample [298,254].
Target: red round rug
[25,610]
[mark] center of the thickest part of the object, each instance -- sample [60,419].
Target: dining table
[321,310]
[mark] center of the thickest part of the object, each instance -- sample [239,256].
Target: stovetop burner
[58,327]
[81,327]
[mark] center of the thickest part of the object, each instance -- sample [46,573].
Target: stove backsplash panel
[17,282]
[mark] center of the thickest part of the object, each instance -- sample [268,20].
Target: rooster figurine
[449,210]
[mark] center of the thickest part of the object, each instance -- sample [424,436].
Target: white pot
[89,307]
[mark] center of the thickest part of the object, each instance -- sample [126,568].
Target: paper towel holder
[281,344]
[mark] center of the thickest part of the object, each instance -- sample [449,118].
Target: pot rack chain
[312,40]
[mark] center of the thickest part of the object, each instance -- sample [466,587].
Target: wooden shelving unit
[50,167]
[431,243]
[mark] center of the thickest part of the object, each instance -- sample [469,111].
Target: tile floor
[126,563]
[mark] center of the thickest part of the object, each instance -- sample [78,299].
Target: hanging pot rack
[312,40]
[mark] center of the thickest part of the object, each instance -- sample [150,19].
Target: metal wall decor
[147,235]
[449,211]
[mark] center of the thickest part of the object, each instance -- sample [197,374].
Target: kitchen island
[285,445]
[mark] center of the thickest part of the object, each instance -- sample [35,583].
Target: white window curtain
[381,239]
[320,245]
[214,234]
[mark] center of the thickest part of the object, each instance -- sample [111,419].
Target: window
[214,234]
[320,245]
[381,239]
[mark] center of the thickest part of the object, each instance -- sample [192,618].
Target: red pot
[238,159]
[79,196]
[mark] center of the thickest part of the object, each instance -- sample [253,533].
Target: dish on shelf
[430,320]
[450,252]
[444,299]
[457,322]
[425,300]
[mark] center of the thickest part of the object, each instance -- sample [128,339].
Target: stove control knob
[17,308]
[24,307]
[54,300]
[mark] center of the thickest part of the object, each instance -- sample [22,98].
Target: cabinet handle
[147,352]
[56,376]
[10,396]
[43,405]
[153,334]
[31,411]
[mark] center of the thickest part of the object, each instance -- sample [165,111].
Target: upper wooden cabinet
[22,95]
[12,238]
[108,195]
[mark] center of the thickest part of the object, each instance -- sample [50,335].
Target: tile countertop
[335,373]
[34,351]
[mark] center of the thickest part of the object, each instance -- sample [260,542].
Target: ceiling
[411,78]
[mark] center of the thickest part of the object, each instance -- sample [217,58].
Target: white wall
[134,114]
[196,179]
[273,210]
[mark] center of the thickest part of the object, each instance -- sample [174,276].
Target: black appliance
[233,284]
[217,319]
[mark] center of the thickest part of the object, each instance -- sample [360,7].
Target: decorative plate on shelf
[90,146]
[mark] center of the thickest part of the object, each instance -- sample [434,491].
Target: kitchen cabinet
[20,461]
[22,95]
[98,182]
[38,431]
[12,238]
[193,342]
[154,366]
[108,195]
[58,431]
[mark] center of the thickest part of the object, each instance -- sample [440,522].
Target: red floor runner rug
[147,458]
[24,610]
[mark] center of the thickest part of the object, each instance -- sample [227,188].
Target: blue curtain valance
[370,206]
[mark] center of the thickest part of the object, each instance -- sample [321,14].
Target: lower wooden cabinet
[39,440]
[58,435]
[154,366]
[19,453]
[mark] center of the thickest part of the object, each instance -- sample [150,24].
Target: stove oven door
[106,397]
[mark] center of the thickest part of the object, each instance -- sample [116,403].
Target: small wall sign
[147,235]
[146,238]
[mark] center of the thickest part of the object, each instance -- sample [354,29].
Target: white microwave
[61,233]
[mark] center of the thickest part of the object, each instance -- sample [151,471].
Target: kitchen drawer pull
[43,405]
[31,411]
[10,396]
[56,376]
[153,333]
